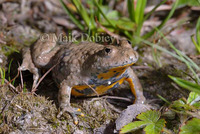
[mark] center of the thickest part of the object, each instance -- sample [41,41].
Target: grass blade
[165,100]
[9,69]
[71,16]
[153,10]
[163,22]
[184,57]
[83,13]
[2,75]
[186,84]
[198,32]
[195,43]
[139,12]
[130,5]
[102,13]
[168,52]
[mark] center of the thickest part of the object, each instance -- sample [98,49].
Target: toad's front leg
[136,87]
[28,64]
[64,96]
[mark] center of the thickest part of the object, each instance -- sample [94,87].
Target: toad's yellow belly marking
[102,88]
[105,82]
[85,90]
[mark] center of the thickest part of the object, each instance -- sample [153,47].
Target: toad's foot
[72,111]
[64,96]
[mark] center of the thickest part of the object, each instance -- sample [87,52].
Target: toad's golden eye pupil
[107,50]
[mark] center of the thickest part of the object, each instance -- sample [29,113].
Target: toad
[84,69]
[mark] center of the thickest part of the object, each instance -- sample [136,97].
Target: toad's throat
[102,83]
[113,72]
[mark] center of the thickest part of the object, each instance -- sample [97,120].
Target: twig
[141,67]
[112,97]
[21,78]
[176,87]
[10,80]
[194,56]
[156,40]
[8,83]
[35,88]
[160,8]
[8,104]
[193,114]
[12,87]
[107,31]
[117,98]
[92,89]
[112,107]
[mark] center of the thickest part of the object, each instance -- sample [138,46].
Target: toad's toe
[72,111]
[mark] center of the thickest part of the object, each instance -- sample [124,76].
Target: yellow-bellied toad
[83,70]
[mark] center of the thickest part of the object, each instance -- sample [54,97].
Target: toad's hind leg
[27,64]
[64,96]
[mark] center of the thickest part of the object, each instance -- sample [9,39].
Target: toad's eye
[108,50]
[129,42]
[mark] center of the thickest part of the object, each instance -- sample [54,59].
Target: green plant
[189,2]
[185,108]
[178,54]
[72,17]
[3,75]
[9,71]
[150,121]
[188,109]
[7,50]
[191,127]
[112,20]
[197,42]
[186,84]
[189,106]
[136,14]
[175,5]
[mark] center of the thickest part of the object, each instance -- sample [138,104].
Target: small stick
[7,105]
[112,107]
[107,31]
[35,88]
[21,78]
[117,98]
[8,83]
[92,89]
[12,87]
[141,67]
